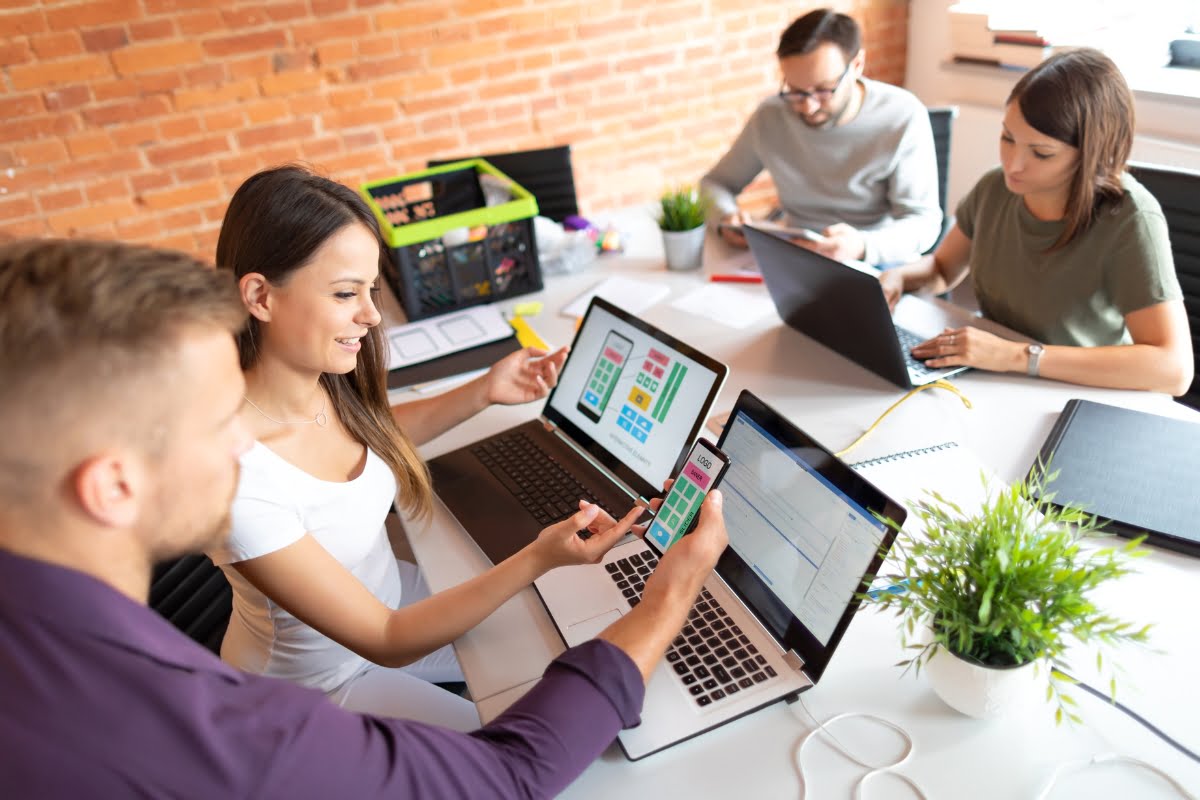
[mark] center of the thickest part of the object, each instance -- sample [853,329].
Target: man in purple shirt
[120,386]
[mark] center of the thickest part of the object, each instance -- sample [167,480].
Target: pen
[734,277]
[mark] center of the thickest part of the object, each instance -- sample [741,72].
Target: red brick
[307,105]
[322,8]
[408,18]
[27,128]
[289,83]
[384,67]
[139,134]
[223,120]
[69,70]
[198,23]
[103,91]
[331,53]
[323,148]
[188,99]
[174,6]
[127,112]
[265,111]
[205,75]
[25,22]
[349,96]
[252,67]
[188,218]
[361,139]
[41,151]
[153,57]
[56,45]
[239,166]
[285,12]
[237,19]
[51,201]
[423,104]
[245,43]
[331,29]
[27,179]
[149,181]
[150,30]
[14,207]
[104,166]
[182,196]
[89,143]
[14,51]
[375,114]
[93,14]
[381,45]
[268,134]
[190,151]
[27,228]
[139,229]
[20,106]
[184,242]
[195,172]
[102,40]
[180,127]
[91,216]
[109,189]
[67,98]
[296,59]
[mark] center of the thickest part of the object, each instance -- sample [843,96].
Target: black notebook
[469,360]
[1139,471]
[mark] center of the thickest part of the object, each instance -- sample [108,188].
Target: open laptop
[629,401]
[803,541]
[843,307]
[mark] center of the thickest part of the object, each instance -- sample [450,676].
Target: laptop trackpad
[587,629]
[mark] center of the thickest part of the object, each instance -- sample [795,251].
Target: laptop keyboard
[909,340]
[711,657]
[547,490]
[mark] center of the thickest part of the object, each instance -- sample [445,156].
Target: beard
[180,537]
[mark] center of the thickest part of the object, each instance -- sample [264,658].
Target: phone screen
[599,387]
[703,470]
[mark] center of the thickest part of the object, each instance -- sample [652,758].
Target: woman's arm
[939,272]
[521,377]
[310,584]
[1159,360]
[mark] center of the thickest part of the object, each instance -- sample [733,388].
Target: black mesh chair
[1178,192]
[547,173]
[193,595]
[941,119]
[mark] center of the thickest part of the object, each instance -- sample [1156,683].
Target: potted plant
[991,597]
[681,217]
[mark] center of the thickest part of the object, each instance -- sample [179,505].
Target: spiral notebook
[948,469]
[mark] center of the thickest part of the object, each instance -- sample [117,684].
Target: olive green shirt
[1080,294]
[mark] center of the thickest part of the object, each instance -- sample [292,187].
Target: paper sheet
[628,294]
[735,308]
[440,336]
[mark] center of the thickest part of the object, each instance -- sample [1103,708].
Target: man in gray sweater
[851,158]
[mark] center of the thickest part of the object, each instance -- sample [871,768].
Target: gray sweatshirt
[877,173]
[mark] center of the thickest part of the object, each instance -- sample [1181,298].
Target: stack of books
[981,34]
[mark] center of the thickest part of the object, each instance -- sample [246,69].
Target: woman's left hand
[524,376]
[559,545]
[971,347]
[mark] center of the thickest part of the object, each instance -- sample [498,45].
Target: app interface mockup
[682,503]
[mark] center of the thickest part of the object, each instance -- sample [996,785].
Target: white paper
[440,336]
[735,308]
[627,294]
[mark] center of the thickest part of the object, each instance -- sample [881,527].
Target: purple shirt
[102,697]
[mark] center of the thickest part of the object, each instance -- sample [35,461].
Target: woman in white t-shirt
[319,598]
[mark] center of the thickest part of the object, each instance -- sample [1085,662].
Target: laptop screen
[801,533]
[633,396]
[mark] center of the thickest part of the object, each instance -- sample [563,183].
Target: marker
[736,277]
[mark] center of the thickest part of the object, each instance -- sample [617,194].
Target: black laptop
[630,400]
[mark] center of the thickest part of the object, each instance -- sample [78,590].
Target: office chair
[941,119]
[546,173]
[193,595]
[1178,192]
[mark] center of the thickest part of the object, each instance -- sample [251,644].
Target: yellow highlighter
[526,335]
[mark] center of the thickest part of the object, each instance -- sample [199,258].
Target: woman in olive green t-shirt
[1063,245]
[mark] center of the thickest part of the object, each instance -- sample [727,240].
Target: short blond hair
[85,329]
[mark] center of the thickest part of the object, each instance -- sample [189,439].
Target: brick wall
[136,119]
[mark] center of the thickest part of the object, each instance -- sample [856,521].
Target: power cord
[941,383]
[1108,758]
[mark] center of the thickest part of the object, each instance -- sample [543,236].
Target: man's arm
[913,197]
[726,180]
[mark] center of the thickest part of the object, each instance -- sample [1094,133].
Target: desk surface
[835,400]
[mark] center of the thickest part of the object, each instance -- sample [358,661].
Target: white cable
[822,727]
[1108,758]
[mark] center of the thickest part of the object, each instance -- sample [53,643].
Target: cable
[1108,758]
[1147,724]
[938,384]
[822,727]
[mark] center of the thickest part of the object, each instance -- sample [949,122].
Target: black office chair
[193,595]
[941,119]
[547,173]
[1178,192]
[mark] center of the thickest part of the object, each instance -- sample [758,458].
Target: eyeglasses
[820,95]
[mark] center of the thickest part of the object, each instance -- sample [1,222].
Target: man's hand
[730,228]
[892,283]
[842,243]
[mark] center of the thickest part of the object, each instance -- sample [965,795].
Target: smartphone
[703,470]
[600,384]
[789,233]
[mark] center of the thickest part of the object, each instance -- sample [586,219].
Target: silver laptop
[843,307]
[630,400]
[803,541]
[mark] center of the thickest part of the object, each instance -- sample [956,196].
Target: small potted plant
[992,597]
[681,217]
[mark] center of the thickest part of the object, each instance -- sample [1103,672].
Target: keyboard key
[685,649]
[717,695]
[696,689]
[633,601]
[689,679]
[771,671]
[703,701]
[628,592]
[737,672]
[721,675]
[672,656]
[762,661]
[710,659]
[622,584]
[740,655]
[692,661]
[709,684]
[732,688]
[759,677]
[611,567]
[680,669]
[636,559]
[701,671]
[745,683]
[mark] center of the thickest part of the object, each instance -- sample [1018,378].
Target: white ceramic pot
[984,692]
[684,249]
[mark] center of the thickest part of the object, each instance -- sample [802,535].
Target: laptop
[629,401]
[803,541]
[843,307]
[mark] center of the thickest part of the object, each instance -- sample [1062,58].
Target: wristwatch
[1035,351]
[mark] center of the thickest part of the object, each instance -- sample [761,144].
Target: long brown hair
[1080,98]
[276,221]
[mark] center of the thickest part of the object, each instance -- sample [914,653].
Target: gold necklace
[321,420]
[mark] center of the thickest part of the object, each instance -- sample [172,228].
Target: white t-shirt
[276,504]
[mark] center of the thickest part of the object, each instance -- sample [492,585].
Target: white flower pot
[684,249]
[984,692]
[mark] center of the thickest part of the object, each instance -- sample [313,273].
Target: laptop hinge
[588,457]
[795,662]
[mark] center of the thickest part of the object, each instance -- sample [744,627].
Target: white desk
[955,756]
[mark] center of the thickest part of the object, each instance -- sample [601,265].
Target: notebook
[946,468]
[843,307]
[629,401]
[1138,471]
[802,543]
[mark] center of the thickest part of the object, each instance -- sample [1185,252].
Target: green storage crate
[433,275]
